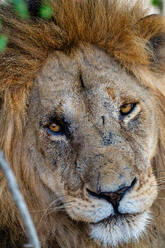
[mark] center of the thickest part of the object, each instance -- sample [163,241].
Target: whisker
[58,204]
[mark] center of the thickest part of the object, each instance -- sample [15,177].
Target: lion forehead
[64,75]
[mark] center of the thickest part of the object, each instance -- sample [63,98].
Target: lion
[82,124]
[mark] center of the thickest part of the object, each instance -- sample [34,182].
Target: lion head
[82,124]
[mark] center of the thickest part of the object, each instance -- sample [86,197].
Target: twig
[20,203]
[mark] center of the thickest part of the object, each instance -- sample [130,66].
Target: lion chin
[120,229]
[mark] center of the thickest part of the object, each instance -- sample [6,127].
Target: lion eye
[55,128]
[126,109]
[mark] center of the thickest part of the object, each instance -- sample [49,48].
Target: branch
[20,203]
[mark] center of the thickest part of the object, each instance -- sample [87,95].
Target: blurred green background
[157,3]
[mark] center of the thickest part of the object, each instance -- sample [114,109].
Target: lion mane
[134,40]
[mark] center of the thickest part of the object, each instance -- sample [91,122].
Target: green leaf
[157,3]
[21,8]
[154,2]
[46,11]
[3,42]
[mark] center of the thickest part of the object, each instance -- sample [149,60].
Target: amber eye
[126,109]
[54,128]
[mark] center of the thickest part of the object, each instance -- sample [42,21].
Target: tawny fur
[124,36]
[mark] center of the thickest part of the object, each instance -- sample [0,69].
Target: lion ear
[34,7]
[152,29]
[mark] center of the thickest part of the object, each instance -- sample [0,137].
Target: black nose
[113,197]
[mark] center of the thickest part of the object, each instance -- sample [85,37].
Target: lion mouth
[117,218]
[120,228]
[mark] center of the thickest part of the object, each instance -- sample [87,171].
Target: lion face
[93,127]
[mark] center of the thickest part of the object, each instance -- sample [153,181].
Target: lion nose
[113,197]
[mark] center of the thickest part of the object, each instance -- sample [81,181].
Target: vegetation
[21,8]
[157,3]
